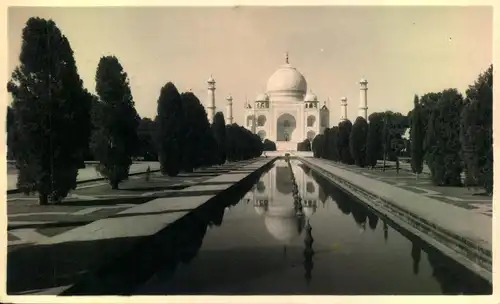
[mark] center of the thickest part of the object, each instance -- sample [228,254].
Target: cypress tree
[476,132]
[10,121]
[268,145]
[115,139]
[345,128]
[443,140]
[373,140]
[145,133]
[51,110]
[242,144]
[325,145]
[196,134]
[170,130]
[417,138]
[357,141]
[317,145]
[219,133]
[336,148]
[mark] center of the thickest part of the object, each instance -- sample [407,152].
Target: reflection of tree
[372,220]
[454,278]
[339,197]
[386,231]
[359,213]
[217,216]
[185,237]
[322,195]
[261,187]
[415,254]
[308,252]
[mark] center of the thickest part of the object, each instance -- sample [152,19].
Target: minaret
[229,110]
[363,105]
[343,108]
[211,99]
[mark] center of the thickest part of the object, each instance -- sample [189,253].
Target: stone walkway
[457,196]
[30,223]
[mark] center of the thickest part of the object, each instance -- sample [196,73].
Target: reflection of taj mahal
[272,198]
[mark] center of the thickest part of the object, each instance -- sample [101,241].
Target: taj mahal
[286,113]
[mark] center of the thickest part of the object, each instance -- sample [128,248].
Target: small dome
[229,97]
[211,79]
[311,97]
[262,97]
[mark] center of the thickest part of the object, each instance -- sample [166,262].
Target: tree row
[54,124]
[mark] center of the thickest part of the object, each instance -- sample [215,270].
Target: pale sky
[401,51]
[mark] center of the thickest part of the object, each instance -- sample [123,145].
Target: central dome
[287,80]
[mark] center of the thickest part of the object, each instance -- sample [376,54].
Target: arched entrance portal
[285,126]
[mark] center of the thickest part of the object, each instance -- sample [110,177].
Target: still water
[258,245]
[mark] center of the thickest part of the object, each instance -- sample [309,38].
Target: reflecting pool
[258,245]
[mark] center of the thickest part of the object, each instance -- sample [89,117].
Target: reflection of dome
[282,223]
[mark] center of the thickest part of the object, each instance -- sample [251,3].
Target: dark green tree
[269,145]
[417,136]
[442,142]
[115,140]
[476,132]
[51,109]
[345,128]
[242,144]
[357,141]
[374,146]
[170,130]
[10,121]
[326,145]
[428,102]
[317,145]
[197,135]
[335,149]
[146,133]
[304,145]
[219,133]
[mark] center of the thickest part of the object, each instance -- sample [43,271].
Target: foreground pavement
[103,227]
[29,223]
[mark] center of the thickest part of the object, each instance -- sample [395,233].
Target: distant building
[286,113]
